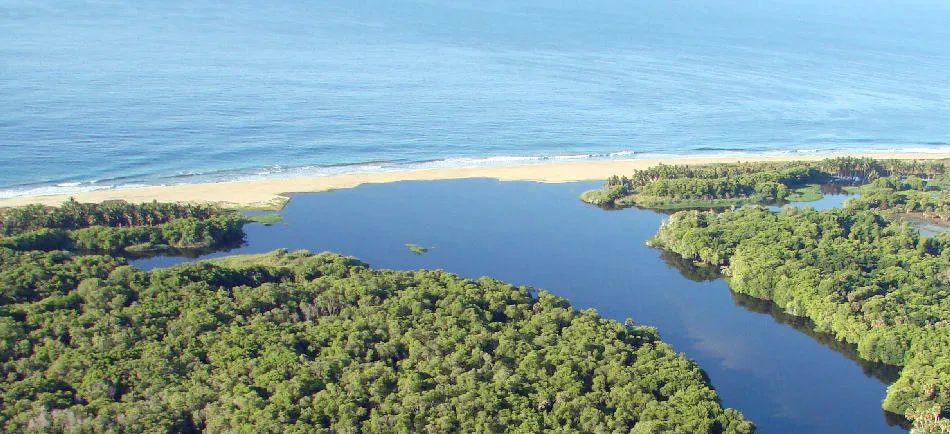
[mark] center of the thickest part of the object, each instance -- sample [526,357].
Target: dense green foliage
[864,278]
[77,215]
[292,342]
[118,226]
[720,186]
[910,196]
[869,169]
[717,185]
[27,277]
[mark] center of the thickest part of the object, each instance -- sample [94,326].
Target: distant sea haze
[97,95]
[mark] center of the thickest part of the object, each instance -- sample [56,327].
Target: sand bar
[270,193]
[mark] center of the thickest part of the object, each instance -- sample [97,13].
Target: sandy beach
[271,193]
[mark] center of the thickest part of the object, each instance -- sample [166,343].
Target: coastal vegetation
[72,215]
[867,280]
[713,186]
[118,226]
[297,342]
[912,197]
[860,273]
[722,186]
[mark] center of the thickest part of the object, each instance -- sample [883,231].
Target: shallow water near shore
[541,235]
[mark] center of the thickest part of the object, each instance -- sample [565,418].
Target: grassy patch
[808,193]
[277,258]
[267,219]
[597,197]
[673,204]
[147,248]
[277,204]
[857,189]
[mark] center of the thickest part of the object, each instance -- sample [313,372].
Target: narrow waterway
[761,362]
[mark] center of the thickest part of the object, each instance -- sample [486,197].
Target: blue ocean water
[97,94]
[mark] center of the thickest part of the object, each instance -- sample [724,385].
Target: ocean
[102,94]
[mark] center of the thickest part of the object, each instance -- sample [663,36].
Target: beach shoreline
[272,193]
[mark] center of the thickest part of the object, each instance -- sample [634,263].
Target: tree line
[118,226]
[676,186]
[117,213]
[736,184]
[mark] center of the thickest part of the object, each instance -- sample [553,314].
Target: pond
[927,227]
[542,235]
[833,196]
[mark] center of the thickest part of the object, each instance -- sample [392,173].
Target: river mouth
[541,235]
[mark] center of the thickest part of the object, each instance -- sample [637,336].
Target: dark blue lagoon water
[96,94]
[541,235]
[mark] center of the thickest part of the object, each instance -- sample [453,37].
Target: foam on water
[284,172]
[65,189]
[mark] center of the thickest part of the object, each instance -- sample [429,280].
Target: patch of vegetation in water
[417,249]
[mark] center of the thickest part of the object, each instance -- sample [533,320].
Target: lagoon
[541,235]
